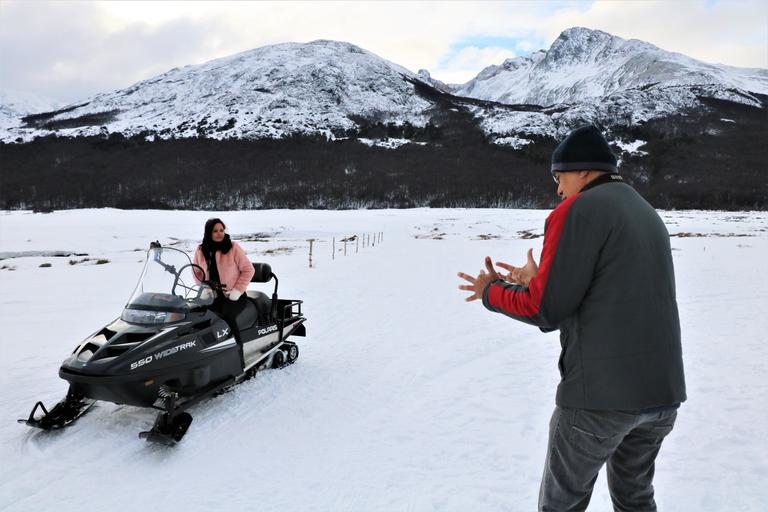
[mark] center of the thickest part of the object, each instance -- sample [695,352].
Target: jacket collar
[601,180]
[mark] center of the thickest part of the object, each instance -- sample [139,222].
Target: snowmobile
[168,350]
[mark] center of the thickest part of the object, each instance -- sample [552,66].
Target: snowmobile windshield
[167,289]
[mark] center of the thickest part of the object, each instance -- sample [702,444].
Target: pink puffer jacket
[235,269]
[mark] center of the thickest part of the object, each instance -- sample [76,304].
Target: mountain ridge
[328,124]
[582,64]
[334,89]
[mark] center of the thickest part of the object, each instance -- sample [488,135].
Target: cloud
[466,63]
[78,57]
[72,50]
[525,46]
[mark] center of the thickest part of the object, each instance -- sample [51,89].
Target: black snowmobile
[169,351]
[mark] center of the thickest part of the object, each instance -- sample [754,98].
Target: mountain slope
[16,104]
[584,64]
[272,91]
[336,89]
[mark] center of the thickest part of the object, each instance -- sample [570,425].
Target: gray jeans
[581,441]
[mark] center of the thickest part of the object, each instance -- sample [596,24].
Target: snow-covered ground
[404,398]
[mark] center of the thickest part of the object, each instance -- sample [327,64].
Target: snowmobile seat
[262,303]
[248,316]
[262,273]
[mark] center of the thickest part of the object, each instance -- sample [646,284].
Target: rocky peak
[579,45]
[425,77]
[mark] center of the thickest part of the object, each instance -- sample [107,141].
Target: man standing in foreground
[606,281]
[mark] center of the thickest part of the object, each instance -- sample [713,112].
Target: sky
[63,52]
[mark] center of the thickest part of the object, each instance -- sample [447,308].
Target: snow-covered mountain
[23,102]
[272,91]
[592,76]
[584,64]
[335,88]
[16,104]
[424,76]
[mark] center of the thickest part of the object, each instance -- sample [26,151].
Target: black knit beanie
[584,149]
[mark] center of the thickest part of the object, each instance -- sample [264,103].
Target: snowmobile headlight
[143,316]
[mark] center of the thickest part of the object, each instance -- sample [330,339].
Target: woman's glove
[233,295]
[207,294]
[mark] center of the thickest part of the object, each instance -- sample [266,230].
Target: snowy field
[404,398]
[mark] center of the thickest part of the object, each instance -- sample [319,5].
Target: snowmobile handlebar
[215,286]
[178,282]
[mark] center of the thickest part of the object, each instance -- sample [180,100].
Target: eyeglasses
[556,177]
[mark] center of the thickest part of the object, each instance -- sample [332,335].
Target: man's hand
[520,275]
[477,284]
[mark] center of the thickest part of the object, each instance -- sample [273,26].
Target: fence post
[357,243]
[345,246]
[311,241]
[333,255]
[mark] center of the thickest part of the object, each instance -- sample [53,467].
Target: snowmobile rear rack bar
[288,313]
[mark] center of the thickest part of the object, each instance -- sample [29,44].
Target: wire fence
[345,246]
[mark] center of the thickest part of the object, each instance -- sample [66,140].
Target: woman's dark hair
[208,245]
[209,225]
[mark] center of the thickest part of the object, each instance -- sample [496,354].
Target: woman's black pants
[228,310]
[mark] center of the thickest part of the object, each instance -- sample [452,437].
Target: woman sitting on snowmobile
[228,268]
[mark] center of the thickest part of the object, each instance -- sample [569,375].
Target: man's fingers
[530,257]
[489,266]
[481,279]
[505,266]
[467,277]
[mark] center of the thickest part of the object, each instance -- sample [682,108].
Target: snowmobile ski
[62,414]
[168,430]
[171,425]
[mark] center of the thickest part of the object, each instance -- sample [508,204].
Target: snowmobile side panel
[141,389]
